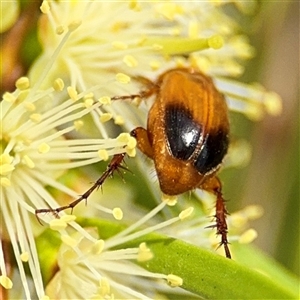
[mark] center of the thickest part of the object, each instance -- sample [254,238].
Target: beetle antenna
[114,165]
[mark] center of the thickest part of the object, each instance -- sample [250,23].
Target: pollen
[273,104]
[5,169]
[28,161]
[119,120]
[122,78]
[98,247]
[215,42]
[4,181]
[60,29]
[58,85]
[58,224]
[29,106]
[74,25]
[9,97]
[248,236]
[5,158]
[104,287]
[117,213]
[103,154]
[105,100]
[144,253]
[72,93]
[22,83]
[36,118]
[24,256]
[254,112]
[88,102]
[119,45]
[130,61]
[169,10]
[78,124]
[105,117]
[131,144]
[253,211]
[131,152]
[68,218]
[43,148]
[154,65]
[171,200]
[123,137]
[157,47]
[174,280]
[6,282]
[45,7]
[186,213]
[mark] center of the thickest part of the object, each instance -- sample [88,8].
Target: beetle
[187,137]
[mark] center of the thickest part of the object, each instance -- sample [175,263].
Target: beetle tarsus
[221,223]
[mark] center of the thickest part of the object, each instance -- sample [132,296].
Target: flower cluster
[59,118]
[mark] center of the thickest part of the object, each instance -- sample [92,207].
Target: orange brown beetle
[187,137]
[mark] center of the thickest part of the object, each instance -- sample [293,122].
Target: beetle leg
[151,88]
[214,186]
[114,165]
[143,143]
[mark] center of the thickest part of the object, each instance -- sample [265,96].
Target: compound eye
[212,152]
[182,132]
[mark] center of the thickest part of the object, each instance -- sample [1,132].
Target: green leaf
[204,273]
[251,275]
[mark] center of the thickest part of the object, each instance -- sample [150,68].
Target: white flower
[34,152]
[91,268]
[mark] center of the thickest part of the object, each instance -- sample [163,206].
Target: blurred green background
[272,177]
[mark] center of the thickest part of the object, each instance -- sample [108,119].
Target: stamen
[9,97]
[117,213]
[78,124]
[170,200]
[58,85]
[186,213]
[24,256]
[144,253]
[43,148]
[122,78]
[72,93]
[119,45]
[45,7]
[6,282]
[105,100]
[58,224]
[174,280]
[130,61]
[4,181]
[98,247]
[22,83]
[248,236]
[36,118]
[105,117]
[66,239]
[74,25]
[28,161]
[103,154]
